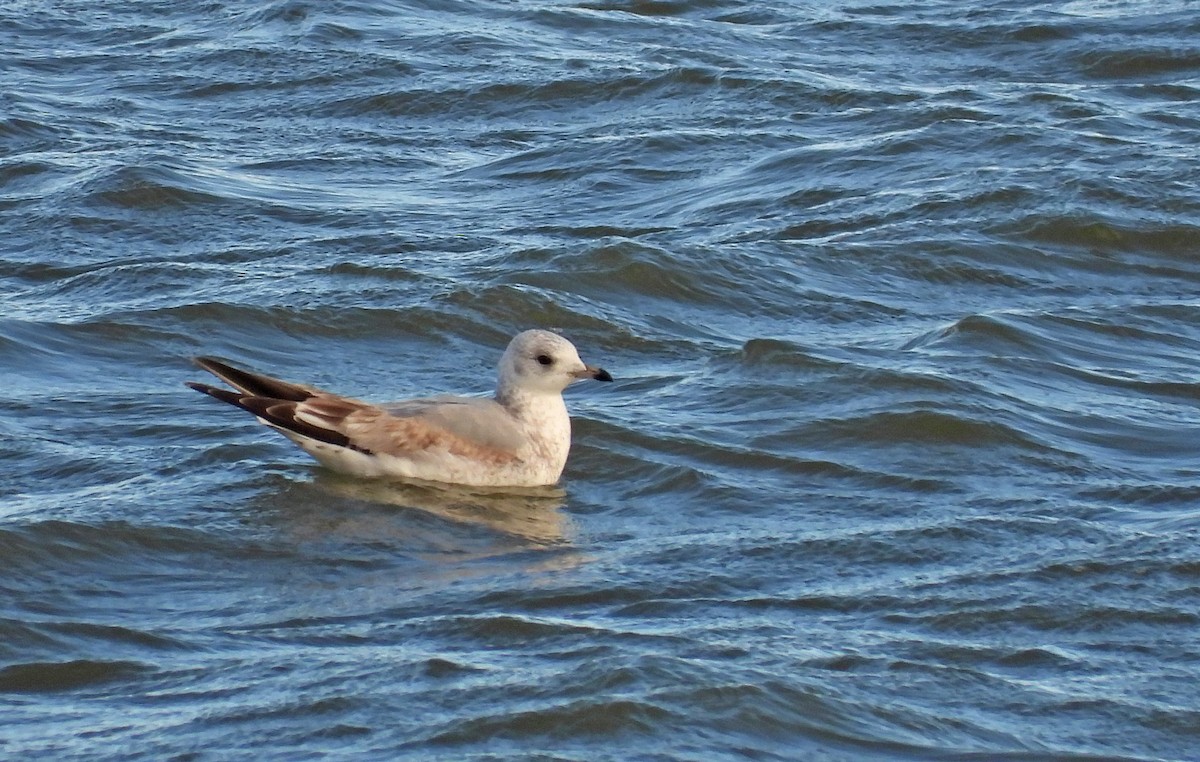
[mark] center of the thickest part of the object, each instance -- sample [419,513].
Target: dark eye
[545,359]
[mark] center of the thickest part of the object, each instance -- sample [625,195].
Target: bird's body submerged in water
[520,437]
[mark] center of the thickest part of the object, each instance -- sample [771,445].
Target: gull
[518,438]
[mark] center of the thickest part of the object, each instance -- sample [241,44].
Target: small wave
[1086,340]
[166,185]
[928,427]
[1097,233]
[72,547]
[511,99]
[778,352]
[1146,495]
[53,677]
[586,718]
[1051,617]
[26,180]
[652,8]
[148,188]
[673,456]
[1138,64]
[987,334]
[628,272]
[298,707]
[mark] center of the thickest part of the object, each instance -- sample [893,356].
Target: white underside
[540,462]
[441,467]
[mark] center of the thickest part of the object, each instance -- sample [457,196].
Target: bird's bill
[591,371]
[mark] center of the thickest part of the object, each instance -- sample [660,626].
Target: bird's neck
[524,404]
[547,425]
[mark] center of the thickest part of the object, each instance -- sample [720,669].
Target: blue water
[903,303]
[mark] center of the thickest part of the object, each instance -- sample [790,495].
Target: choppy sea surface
[903,302]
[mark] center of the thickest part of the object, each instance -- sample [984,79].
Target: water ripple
[900,301]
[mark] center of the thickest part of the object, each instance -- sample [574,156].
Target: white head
[541,362]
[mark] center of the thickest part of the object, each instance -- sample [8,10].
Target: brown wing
[410,430]
[369,428]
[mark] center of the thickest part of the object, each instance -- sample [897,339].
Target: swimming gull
[518,438]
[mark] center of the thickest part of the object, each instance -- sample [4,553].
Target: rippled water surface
[903,302]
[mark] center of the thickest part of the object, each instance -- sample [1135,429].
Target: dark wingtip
[204,361]
[602,375]
[278,413]
[253,384]
[216,392]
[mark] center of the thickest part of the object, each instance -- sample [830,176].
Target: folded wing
[473,428]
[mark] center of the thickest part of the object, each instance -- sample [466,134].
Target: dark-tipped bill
[591,371]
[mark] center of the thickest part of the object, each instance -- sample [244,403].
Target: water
[904,310]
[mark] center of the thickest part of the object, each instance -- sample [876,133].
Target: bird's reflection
[528,514]
[369,547]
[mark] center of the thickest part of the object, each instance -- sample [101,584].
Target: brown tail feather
[253,383]
[280,413]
